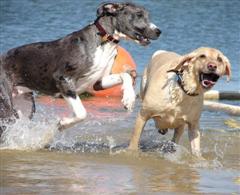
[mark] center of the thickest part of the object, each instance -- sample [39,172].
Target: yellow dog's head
[203,67]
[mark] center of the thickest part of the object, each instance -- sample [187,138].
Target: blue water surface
[185,24]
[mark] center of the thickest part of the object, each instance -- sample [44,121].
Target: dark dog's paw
[68,122]
[65,123]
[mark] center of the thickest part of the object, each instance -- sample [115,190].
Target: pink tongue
[208,83]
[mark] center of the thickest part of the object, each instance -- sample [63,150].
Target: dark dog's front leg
[24,103]
[67,89]
[127,82]
[78,109]
[108,82]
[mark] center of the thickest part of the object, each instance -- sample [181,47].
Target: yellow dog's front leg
[140,123]
[194,138]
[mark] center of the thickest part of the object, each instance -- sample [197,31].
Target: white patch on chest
[102,64]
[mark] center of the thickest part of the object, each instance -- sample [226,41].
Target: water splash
[28,134]
[102,135]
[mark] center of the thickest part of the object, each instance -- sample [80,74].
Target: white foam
[28,135]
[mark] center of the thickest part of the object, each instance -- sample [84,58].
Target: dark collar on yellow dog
[181,82]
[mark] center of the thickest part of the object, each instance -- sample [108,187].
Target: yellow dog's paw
[132,147]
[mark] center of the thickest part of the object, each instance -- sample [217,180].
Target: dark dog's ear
[108,9]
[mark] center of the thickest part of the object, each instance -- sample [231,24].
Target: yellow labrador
[172,92]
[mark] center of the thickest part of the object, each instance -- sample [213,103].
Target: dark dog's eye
[202,56]
[219,59]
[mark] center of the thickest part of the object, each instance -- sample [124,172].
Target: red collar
[104,35]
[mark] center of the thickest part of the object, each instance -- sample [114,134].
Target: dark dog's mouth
[143,36]
[141,39]
[208,80]
[137,37]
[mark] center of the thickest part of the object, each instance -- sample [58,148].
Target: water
[91,158]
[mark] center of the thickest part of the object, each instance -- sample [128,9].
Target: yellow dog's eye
[219,59]
[202,56]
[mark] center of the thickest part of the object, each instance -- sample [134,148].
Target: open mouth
[137,37]
[208,80]
[142,39]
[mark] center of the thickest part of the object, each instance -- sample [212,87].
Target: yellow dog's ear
[228,67]
[184,61]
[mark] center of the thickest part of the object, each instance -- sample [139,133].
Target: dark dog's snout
[154,33]
[158,32]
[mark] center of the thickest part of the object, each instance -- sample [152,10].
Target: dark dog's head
[130,21]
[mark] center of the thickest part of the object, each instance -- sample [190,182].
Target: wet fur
[164,100]
[74,63]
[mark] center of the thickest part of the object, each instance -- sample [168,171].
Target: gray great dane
[82,60]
